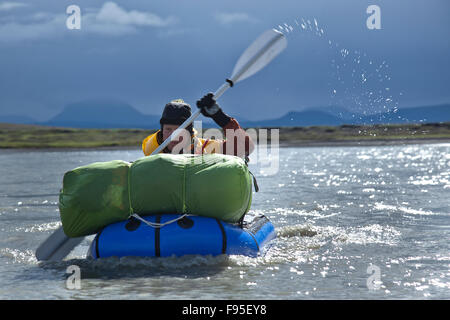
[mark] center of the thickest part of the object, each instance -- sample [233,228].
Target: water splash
[43,227]
[358,83]
[19,256]
[296,231]
[402,209]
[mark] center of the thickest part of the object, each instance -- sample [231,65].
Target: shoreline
[283,144]
[37,138]
[364,143]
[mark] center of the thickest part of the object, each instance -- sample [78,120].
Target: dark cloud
[147,53]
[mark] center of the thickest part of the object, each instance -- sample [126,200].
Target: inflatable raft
[181,235]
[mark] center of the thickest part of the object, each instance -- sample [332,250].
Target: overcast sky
[149,52]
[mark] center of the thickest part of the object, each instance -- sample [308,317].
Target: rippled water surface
[345,218]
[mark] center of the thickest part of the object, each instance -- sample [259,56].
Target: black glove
[211,109]
[208,105]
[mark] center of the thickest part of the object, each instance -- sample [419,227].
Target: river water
[355,222]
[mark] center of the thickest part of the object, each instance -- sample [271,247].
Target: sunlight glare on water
[336,211]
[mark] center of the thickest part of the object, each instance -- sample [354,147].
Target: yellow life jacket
[205,146]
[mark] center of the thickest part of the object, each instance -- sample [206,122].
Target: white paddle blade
[57,246]
[259,54]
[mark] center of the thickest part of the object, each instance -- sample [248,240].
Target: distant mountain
[116,114]
[316,117]
[429,114]
[297,119]
[108,114]
[103,114]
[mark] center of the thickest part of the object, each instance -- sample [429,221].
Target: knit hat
[175,112]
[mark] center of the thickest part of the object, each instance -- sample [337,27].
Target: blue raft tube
[167,235]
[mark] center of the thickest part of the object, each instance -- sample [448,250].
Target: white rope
[158,225]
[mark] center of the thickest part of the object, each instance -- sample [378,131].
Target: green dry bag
[94,196]
[212,185]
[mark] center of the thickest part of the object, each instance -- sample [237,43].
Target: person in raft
[177,111]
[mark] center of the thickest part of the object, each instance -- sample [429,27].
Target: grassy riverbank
[32,136]
[366,134]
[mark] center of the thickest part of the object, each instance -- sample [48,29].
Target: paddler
[177,111]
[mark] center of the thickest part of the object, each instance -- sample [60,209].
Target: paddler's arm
[239,134]
[231,127]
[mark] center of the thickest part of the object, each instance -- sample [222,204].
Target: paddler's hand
[208,105]
[211,109]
